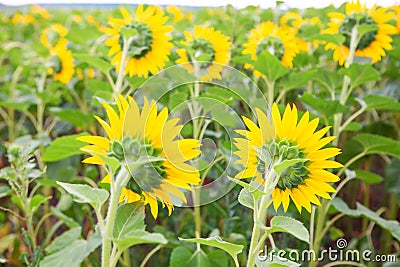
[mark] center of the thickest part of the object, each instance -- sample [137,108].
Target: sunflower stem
[197,135]
[260,216]
[270,92]
[121,73]
[11,112]
[344,94]
[115,191]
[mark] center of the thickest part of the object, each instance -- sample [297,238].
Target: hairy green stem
[115,191]
[148,256]
[260,216]
[11,112]
[195,112]
[270,93]
[121,73]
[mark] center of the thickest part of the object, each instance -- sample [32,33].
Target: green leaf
[181,256]
[329,80]
[297,80]
[360,74]
[130,218]
[392,177]
[177,99]
[270,66]
[381,103]
[252,187]
[86,194]
[218,258]
[337,39]
[96,87]
[73,253]
[366,28]
[21,106]
[128,32]
[140,237]
[96,62]
[392,226]
[6,242]
[64,240]
[289,225]
[353,127]
[246,198]
[374,144]
[37,200]
[216,241]
[68,221]
[73,116]
[63,147]
[223,117]
[286,164]
[324,107]
[135,82]
[5,191]
[204,58]
[241,59]
[199,259]
[84,37]
[368,177]
[111,162]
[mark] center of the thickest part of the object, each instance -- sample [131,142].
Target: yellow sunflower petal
[99,141]
[94,160]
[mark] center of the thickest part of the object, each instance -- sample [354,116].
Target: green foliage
[368,177]
[95,62]
[284,224]
[86,194]
[129,229]
[181,256]
[324,107]
[270,66]
[63,147]
[379,102]
[360,74]
[373,144]
[42,175]
[215,241]
[391,225]
[69,249]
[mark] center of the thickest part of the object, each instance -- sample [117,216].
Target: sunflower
[54,35]
[133,134]
[373,43]
[77,18]
[38,10]
[397,17]
[150,50]
[209,45]
[61,63]
[24,19]
[267,36]
[89,73]
[292,21]
[175,12]
[284,139]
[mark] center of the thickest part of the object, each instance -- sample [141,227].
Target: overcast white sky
[236,3]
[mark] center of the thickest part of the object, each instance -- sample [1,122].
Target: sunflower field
[176,136]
